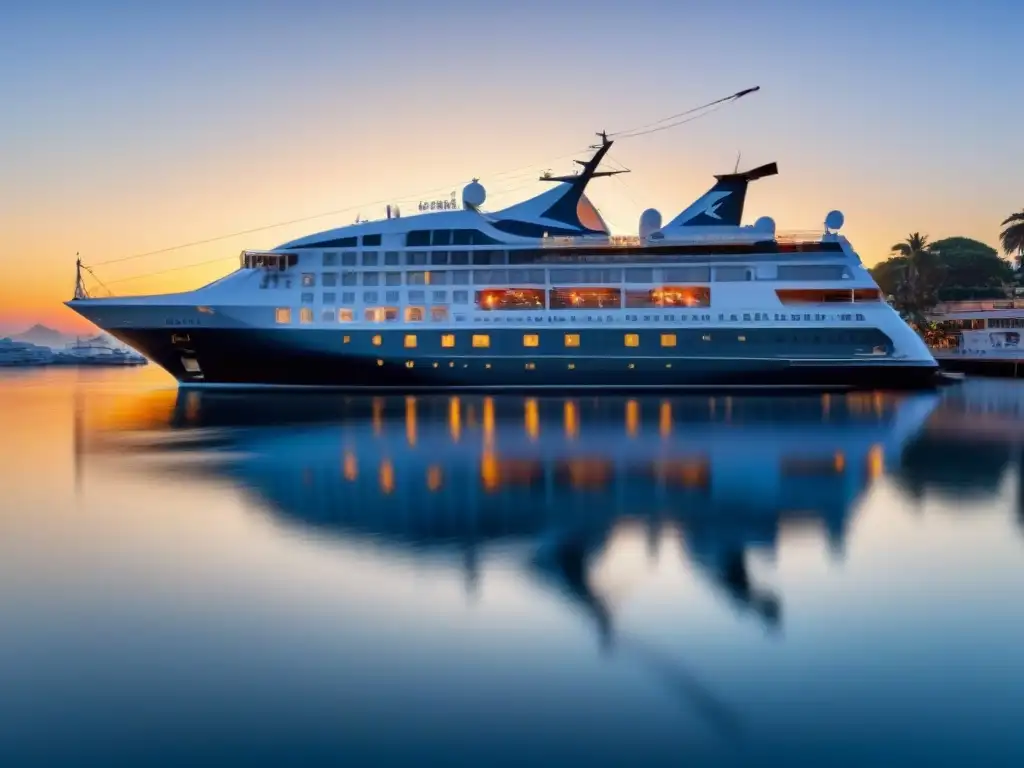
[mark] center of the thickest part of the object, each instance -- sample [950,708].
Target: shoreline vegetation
[921,274]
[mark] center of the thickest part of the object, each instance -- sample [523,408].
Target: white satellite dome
[473,194]
[650,222]
[765,224]
[834,220]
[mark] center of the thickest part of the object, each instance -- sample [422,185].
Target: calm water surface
[192,579]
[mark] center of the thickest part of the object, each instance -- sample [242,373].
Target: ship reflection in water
[482,580]
[459,475]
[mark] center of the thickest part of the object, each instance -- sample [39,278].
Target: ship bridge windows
[511,298]
[669,296]
[420,238]
[584,298]
[272,261]
[371,239]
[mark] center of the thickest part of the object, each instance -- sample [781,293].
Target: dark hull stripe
[248,357]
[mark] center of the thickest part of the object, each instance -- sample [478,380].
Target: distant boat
[22,353]
[97,351]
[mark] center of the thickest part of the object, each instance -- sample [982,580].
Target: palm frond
[1013,217]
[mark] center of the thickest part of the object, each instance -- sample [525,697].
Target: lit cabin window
[632,339]
[346,315]
[439,314]
[531,340]
[283,315]
[414,314]
[410,340]
[668,339]
[706,337]
[448,340]
[306,315]
[572,339]
[308,279]
[481,340]
[376,340]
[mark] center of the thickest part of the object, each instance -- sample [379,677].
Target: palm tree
[1012,238]
[917,291]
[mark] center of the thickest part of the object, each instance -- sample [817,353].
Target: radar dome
[834,220]
[650,222]
[473,194]
[765,224]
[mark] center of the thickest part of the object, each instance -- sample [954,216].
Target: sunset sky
[125,130]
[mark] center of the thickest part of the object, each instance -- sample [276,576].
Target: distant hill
[43,336]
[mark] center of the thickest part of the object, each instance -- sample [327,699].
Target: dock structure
[996,366]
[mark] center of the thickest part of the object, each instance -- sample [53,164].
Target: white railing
[694,235]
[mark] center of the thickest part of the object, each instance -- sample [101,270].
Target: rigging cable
[658,125]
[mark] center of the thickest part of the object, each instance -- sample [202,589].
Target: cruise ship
[539,295]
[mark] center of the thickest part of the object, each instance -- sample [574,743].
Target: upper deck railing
[744,236]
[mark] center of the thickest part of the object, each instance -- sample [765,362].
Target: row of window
[283,315]
[569,340]
[607,276]
[682,297]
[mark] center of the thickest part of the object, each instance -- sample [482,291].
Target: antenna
[737,168]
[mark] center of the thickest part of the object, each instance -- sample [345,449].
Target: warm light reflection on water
[823,580]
